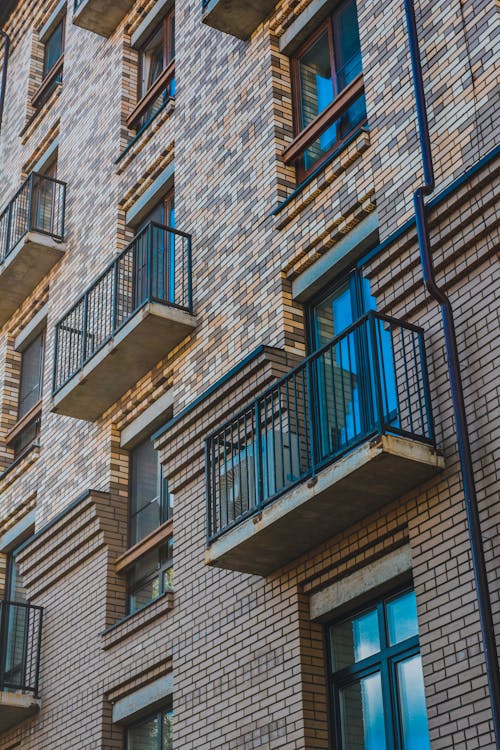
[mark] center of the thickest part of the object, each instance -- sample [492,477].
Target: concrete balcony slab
[24,268]
[359,483]
[136,347]
[101,16]
[239,18]
[15,708]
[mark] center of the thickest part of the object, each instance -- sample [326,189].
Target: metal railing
[371,379]
[20,644]
[155,267]
[39,206]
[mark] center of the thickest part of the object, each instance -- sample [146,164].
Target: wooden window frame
[49,81]
[34,414]
[147,98]
[342,100]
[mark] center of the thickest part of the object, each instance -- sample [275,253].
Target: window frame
[383,662]
[164,81]
[163,496]
[32,417]
[342,100]
[53,76]
[165,562]
[159,715]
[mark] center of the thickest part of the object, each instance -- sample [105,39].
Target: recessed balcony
[132,316]
[239,18]
[343,434]
[100,16]
[20,643]
[31,239]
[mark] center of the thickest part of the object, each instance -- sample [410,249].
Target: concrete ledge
[101,16]
[143,701]
[370,476]
[15,708]
[145,339]
[24,268]
[239,18]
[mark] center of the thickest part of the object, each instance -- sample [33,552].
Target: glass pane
[143,736]
[355,640]
[16,591]
[333,315]
[53,48]
[316,84]
[144,594]
[336,132]
[402,618]
[168,727]
[362,715]
[347,49]
[412,705]
[26,437]
[31,371]
[152,60]
[145,490]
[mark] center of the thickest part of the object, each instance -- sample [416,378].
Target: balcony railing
[155,267]
[370,380]
[20,644]
[38,206]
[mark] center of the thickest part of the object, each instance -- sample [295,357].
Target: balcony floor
[364,480]
[142,342]
[15,708]
[237,17]
[24,268]
[101,16]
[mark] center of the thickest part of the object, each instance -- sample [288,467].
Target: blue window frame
[375,678]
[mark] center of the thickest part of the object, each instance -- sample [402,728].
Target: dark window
[52,64]
[327,75]
[152,733]
[156,72]
[164,254]
[376,680]
[150,501]
[30,391]
[15,591]
[150,577]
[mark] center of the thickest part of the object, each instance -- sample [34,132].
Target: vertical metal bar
[24,662]
[311,407]
[150,264]
[30,201]
[38,651]
[189,277]
[3,641]
[378,391]
[115,296]
[418,376]
[63,210]
[407,381]
[208,490]
[258,457]
[55,366]
[427,394]
[84,329]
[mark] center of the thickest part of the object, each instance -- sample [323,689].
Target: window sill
[37,116]
[154,92]
[21,463]
[130,624]
[49,80]
[33,413]
[157,537]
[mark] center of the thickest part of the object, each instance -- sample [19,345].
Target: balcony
[239,18]
[31,239]
[340,436]
[132,316]
[20,642]
[100,16]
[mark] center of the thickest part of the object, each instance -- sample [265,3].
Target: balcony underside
[24,268]
[237,17]
[101,16]
[145,339]
[15,708]
[359,483]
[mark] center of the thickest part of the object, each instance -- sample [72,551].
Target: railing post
[150,263]
[189,277]
[84,328]
[259,484]
[38,651]
[3,640]
[114,312]
[63,212]
[30,202]
[425,383]
[6,248]
[311,407]
[208,491]
[376,367]
[55,355]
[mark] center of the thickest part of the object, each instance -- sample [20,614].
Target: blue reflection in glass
[355,640]
[412,705]
[402,618]
[362,713]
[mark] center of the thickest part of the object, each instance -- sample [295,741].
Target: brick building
[213,325]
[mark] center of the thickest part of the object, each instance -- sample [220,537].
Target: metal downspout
[3,81]
[470,497]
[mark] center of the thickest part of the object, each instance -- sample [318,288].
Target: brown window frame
[147,98]
[305,136]
[32,418]
[53,76]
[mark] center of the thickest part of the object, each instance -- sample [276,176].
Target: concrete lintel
[15,708]
[146,27]
[147,422]
[52,21]
[363,236]
[343,493]
[32,329]
[239,18]
[361,585]
[144,205]
[143,701]
[21,531]
[24,268]
[304,24]
[46,156]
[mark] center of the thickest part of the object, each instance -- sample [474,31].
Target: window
[156,73]
[164,254]
[53,58]
[376,680]
[150,501]
[150,577]
[27,429]
[152,733]
[329,102]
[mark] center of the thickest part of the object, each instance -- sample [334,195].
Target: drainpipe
[457,394]
[3,81]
